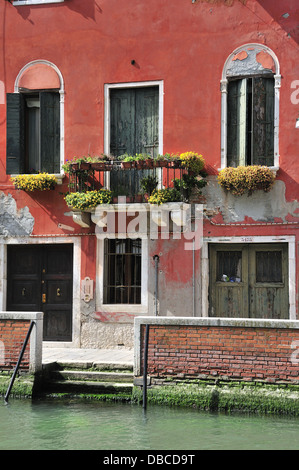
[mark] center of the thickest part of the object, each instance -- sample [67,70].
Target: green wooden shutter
[263,121]
[134,128]
[236,122]
[50,132]
[122,122]
[15,138]
[147,121]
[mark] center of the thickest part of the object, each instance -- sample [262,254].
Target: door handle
[23,291]
[58,292]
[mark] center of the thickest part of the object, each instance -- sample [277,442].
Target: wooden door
[39,278]
[268,281]
[229,281]
[249,281]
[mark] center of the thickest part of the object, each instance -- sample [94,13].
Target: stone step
[114,377]
[88,387]
[100,366]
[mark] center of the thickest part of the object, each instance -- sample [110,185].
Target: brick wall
[12,336]
[231,352]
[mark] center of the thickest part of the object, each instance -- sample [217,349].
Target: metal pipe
[156,258]
[19,361]
[193,281]
[144,403]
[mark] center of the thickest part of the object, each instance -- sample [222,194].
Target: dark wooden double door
[40,278]
[249,281]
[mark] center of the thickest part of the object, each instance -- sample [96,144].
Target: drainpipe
[156,259]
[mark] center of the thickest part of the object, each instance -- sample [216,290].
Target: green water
[58,425]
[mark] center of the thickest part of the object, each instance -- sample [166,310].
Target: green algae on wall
[255,399]
[22,387]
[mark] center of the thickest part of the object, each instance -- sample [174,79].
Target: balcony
[98,183]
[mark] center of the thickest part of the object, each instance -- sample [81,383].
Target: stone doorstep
[97,366]
[88,387]
[121,377]
[75,377]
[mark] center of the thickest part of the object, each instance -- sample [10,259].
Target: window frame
[34,2]
[18,90]
[128,259]
[107,88]
[224,99]
[141,308]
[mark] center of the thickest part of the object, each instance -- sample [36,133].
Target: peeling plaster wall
[14,222]
[260,206]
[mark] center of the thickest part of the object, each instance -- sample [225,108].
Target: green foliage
[234,397]
[88,199]
[149,184]
[246,179]
[192,161]
[188,183]
[35,182]
[162,196]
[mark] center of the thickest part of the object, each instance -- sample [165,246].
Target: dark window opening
[268,266]
[122,271]
[33,132]
[250,121]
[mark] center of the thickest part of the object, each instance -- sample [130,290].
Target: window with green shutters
[134,128]
[250,121]
[33,132]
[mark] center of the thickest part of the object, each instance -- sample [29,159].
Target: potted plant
[188,183]
[160,161]
[75,164]
[35,182]
[128,162]
[99,163]
[192,161]
[140,161]
[162,196]
[246,179]
[88,199]
[148,184]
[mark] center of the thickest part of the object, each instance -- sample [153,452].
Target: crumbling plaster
[14,221]
[260,206]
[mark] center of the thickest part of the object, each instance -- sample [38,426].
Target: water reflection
[54,425]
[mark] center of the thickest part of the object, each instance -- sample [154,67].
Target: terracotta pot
[98,166]
[84,166]
[126,165]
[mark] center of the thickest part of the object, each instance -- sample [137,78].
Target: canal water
[89,425]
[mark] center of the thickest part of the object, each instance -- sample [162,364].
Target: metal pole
[193,259]
[19,361]
[156,258]
[145,366]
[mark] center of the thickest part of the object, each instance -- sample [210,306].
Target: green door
[249,281]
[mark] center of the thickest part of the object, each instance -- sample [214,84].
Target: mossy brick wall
[12,336]
[233,353]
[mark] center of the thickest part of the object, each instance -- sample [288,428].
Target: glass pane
[229,266]
[268,266]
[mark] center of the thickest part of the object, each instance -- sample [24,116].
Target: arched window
[35,120]
[250,107]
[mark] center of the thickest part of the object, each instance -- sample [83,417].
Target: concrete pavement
[121,357]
